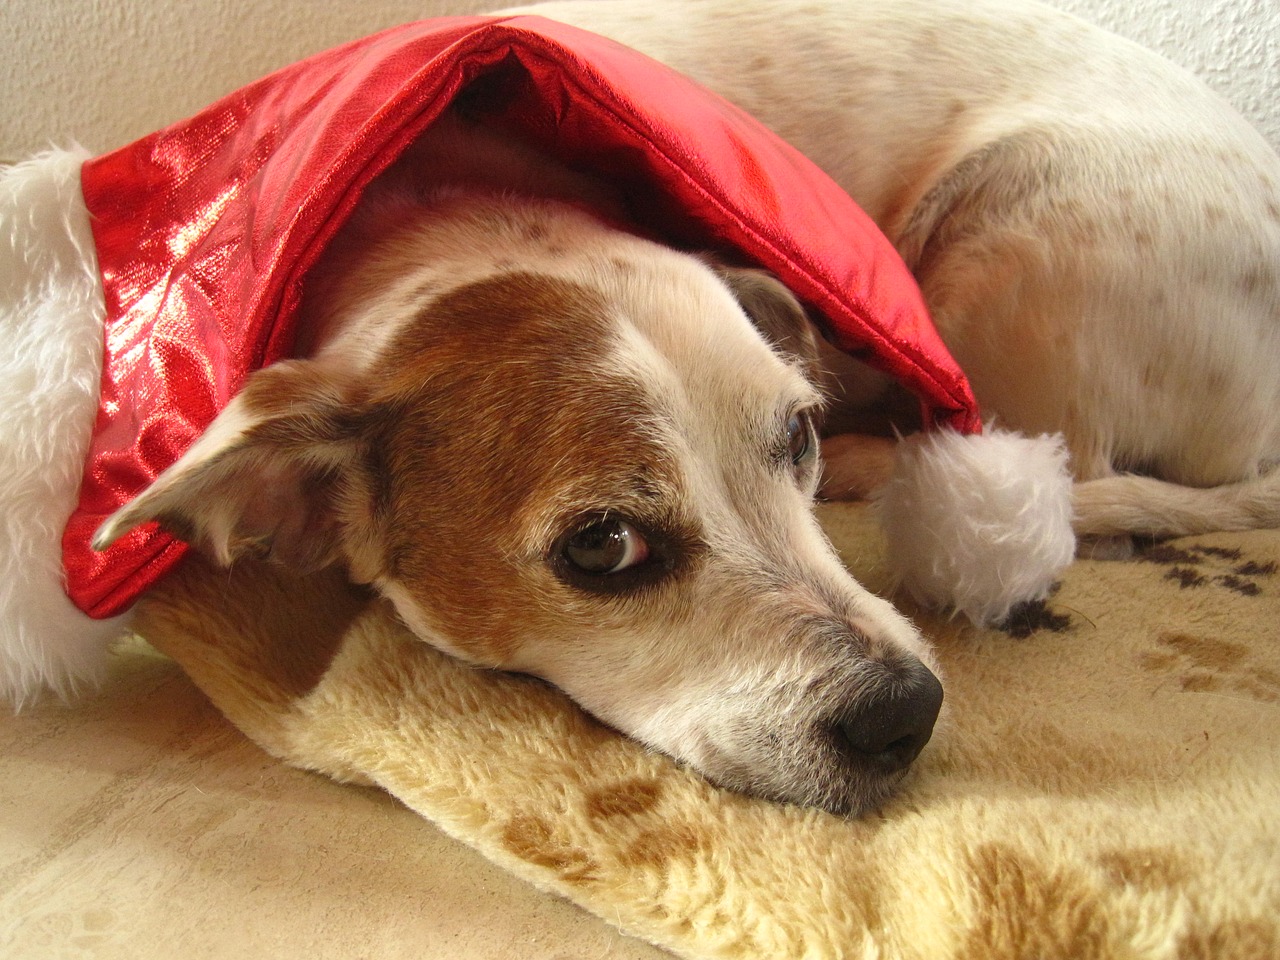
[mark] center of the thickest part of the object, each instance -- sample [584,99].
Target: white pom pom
[978,522]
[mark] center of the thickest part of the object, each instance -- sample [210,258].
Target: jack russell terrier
[557,446]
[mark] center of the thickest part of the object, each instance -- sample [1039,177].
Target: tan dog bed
[1106,781]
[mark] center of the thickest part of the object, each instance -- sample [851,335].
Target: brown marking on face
[299,627]
[471,460]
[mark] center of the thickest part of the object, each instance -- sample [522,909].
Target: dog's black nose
[887,729]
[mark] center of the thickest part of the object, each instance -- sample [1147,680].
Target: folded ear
[776,313]
[271,477]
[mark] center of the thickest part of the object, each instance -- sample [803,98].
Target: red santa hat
[205,231]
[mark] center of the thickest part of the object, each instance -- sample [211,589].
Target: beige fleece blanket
[1106,782]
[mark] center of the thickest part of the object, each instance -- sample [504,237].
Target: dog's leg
[1145,506]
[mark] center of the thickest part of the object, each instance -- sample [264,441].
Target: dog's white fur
[1096,233]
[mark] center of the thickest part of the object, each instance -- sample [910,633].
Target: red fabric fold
[205,230]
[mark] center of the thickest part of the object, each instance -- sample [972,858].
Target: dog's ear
[776,313]
[272,477]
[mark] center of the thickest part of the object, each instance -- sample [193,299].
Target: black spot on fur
[1167,554]
[1224,553]
[1185,577]
[1187,563]
[1031,617]
[1255,569]
[1246,588]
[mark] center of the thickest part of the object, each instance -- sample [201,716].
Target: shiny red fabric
[205,230]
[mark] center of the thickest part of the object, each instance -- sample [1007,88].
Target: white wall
[1233,45]
[103,72]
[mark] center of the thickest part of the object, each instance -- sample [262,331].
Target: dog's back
[1096,233]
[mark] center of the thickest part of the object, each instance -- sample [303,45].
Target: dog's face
[576,455]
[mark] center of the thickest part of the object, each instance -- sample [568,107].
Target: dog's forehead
[679,322]
[598,369]
[593,343]
[673,301]
[522,371]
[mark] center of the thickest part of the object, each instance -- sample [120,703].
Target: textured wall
[1233,45]
[104,72]
[107,71]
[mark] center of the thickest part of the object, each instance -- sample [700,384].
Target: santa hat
[205,231]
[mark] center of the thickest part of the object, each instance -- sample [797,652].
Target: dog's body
[1096,234]
[559,448]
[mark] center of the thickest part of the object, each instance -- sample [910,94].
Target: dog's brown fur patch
[459,478]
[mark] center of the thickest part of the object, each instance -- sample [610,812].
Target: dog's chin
[802,744]
[806,773]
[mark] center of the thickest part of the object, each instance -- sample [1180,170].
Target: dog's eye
[607,546]
[605,554]
[799,437]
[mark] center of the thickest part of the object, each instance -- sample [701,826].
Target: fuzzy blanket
[1105,782]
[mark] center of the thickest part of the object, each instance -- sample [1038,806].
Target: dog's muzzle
[840,734]
[884,731]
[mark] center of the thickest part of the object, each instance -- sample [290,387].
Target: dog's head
[583,456]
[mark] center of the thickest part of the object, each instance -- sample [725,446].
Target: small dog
[1096,234]
[620,503]
[561,449]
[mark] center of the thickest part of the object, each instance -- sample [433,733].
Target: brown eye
[605,547]
[799,437]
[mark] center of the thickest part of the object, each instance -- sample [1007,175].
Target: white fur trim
[51,315]
[978,523]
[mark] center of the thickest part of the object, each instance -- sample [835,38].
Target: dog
[1096,234]
[561,449]
[633,523]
